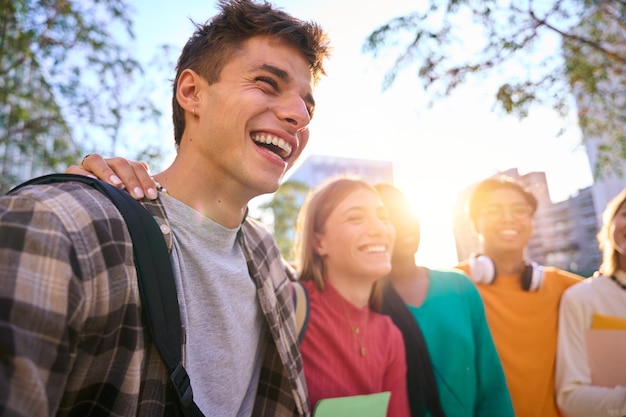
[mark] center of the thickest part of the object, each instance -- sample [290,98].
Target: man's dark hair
[488,186]
[213,43]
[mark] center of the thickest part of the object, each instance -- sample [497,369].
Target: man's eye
[269,81]
[520,211]
[491,213]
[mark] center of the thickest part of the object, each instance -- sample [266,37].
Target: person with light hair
[344,241]
[596,305]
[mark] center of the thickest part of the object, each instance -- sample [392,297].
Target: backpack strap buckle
[182,385]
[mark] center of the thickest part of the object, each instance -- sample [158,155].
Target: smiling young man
[521,298]
[73,338]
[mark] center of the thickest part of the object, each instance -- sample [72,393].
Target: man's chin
[268,188]
[290,164]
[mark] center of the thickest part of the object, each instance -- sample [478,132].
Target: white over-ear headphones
[483,271]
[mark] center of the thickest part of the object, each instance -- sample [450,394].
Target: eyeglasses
[496,211]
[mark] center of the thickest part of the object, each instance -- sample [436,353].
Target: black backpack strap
[421,381]
[157,287]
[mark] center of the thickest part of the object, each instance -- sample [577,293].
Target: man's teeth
[376,249]
[273,140]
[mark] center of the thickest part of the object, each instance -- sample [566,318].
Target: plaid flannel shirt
[72,338]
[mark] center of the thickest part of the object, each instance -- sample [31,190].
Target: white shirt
[576,397]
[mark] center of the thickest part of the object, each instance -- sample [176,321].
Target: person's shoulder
[69,198]
[453,277]
[565,277]
[72,213]
[584,294]
[255,228]
[455,274]
[463,266]
[587,286]
[50,191]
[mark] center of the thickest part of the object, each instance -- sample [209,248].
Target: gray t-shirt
[220,313]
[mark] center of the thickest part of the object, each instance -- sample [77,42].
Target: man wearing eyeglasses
[521,298]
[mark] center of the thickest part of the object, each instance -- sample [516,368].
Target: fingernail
[115,180]
[152,193]
[138,192]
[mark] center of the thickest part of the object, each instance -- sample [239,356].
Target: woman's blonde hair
[610,255]
[312,218]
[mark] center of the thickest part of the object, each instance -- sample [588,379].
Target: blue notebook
[370,405]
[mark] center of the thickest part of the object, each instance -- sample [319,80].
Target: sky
[436,152]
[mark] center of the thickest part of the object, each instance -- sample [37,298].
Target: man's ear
[188,91]
[478,232]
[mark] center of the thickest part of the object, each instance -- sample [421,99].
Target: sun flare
[432,201]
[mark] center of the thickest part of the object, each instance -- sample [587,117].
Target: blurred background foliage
[69,85]
[448,41]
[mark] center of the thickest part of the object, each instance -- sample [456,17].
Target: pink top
[331,352]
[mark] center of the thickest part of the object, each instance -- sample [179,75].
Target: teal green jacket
[467,368]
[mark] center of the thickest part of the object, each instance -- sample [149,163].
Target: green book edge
[370,405]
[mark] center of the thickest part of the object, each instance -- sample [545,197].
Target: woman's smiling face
[356,241]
